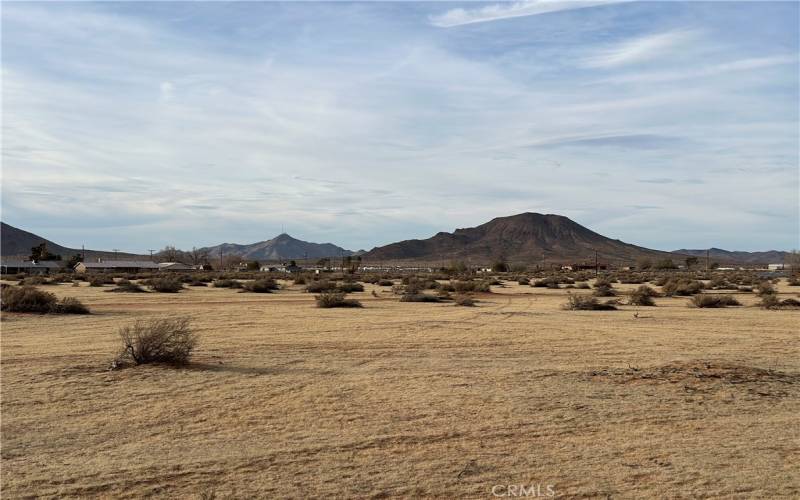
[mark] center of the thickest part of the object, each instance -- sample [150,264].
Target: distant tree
[74,260]
[198,256]
[457,266]
[644,263]
[691,261]
[324,262]
[253,265]
[714,265]
[793,260]
[665,264]
[293,263]
[500,266]
[40,252]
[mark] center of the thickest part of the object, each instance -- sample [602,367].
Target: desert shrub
[604,291]
[587,303]
[582,285]
[643,296]
[350,286]
[100,281]
[34,280]
[603,282]
[745,289]
[464,300]
[771,301]
[419,297]
[226,283]
[161,340]
[328,299]
[320,286]
[548,282]
[471,286]
[126,286]
[793,281]
[264,285]
[70,305]
[197,282]
[765,288]
[712,301]
[300,280]
[28,299]
[165,285]
[385,282]
[524,281]
[682,286]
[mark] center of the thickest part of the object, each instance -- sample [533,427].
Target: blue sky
[137,125]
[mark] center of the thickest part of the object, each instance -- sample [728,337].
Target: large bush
[266,285]
[227,283]
[350,286]
[165,340]
[320,286]
[682,286]
[28,299]
[713,301]
[587,303]
[643,296]
[335,299]
[126,286]
[166,285]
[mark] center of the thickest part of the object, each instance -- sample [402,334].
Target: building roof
[110,264]
[174,265]
[29,264]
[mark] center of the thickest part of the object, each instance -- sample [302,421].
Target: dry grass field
[404,399]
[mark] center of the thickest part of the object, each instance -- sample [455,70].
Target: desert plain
[395,399]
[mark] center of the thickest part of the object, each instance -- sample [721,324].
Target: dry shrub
[126,286]
[682,286]
[772,302]
[300,280]
[587,303]
[524,281]
[330,299]
[266,285]
[166,285]
[419,297]
[350,286]
[765,288]
[385,282]
[320,286]
[582,286]
[28,299]
[226,283]
[604,291]
[160,340]
[471,286]
[793,281]
[643,296]
[713,301]
[549,282]
[464,300]
[34,280]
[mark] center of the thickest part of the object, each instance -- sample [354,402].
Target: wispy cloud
[641,49]
[495,12]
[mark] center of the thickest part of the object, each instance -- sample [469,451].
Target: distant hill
[16,243]
[526,237]
[281,247]
[733,257]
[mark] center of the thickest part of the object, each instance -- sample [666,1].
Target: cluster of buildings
[101,266]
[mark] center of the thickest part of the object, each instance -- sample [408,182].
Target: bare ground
[404,399]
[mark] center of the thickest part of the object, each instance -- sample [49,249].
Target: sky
[144,124]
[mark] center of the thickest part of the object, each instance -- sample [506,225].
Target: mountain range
[280,247]
[522,238]
[526,237]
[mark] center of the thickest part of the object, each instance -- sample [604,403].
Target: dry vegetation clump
[28,299]
[713,301]
[264,285]
[34,280]
[682,287]
[384,282]
[772,302]
[588,303]
[165,285]
[643,296]
[471,286]
[765,288]
[582,285]
[548,282]
[350,286]
[320,286]
[300,280]
[523,281]
[464,300]
[419,297]
[126,286]
[161,340]
[226,283]
[100,280]
[328,299]
[793,281]
[604,291]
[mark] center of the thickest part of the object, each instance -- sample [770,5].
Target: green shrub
[330,299]
[587,303]
[713,301]
[165,340]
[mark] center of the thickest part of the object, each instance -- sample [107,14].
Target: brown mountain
[527,237]
[736,257]
[16,244]
[281,247]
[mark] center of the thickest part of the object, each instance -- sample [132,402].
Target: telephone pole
[151,253]
[115,253]
[596,265]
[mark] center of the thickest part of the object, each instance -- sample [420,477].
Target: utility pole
[220,258]
[596,265]
[115,253]
[83,253]
[707,252]
[151,253]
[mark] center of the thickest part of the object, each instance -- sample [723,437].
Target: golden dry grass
[404,399]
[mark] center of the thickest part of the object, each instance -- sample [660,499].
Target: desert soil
[404,399]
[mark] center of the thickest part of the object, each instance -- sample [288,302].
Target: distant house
[779,267]
[116,266]
[291,268]
[585,267]
[32,267]
[175,266]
